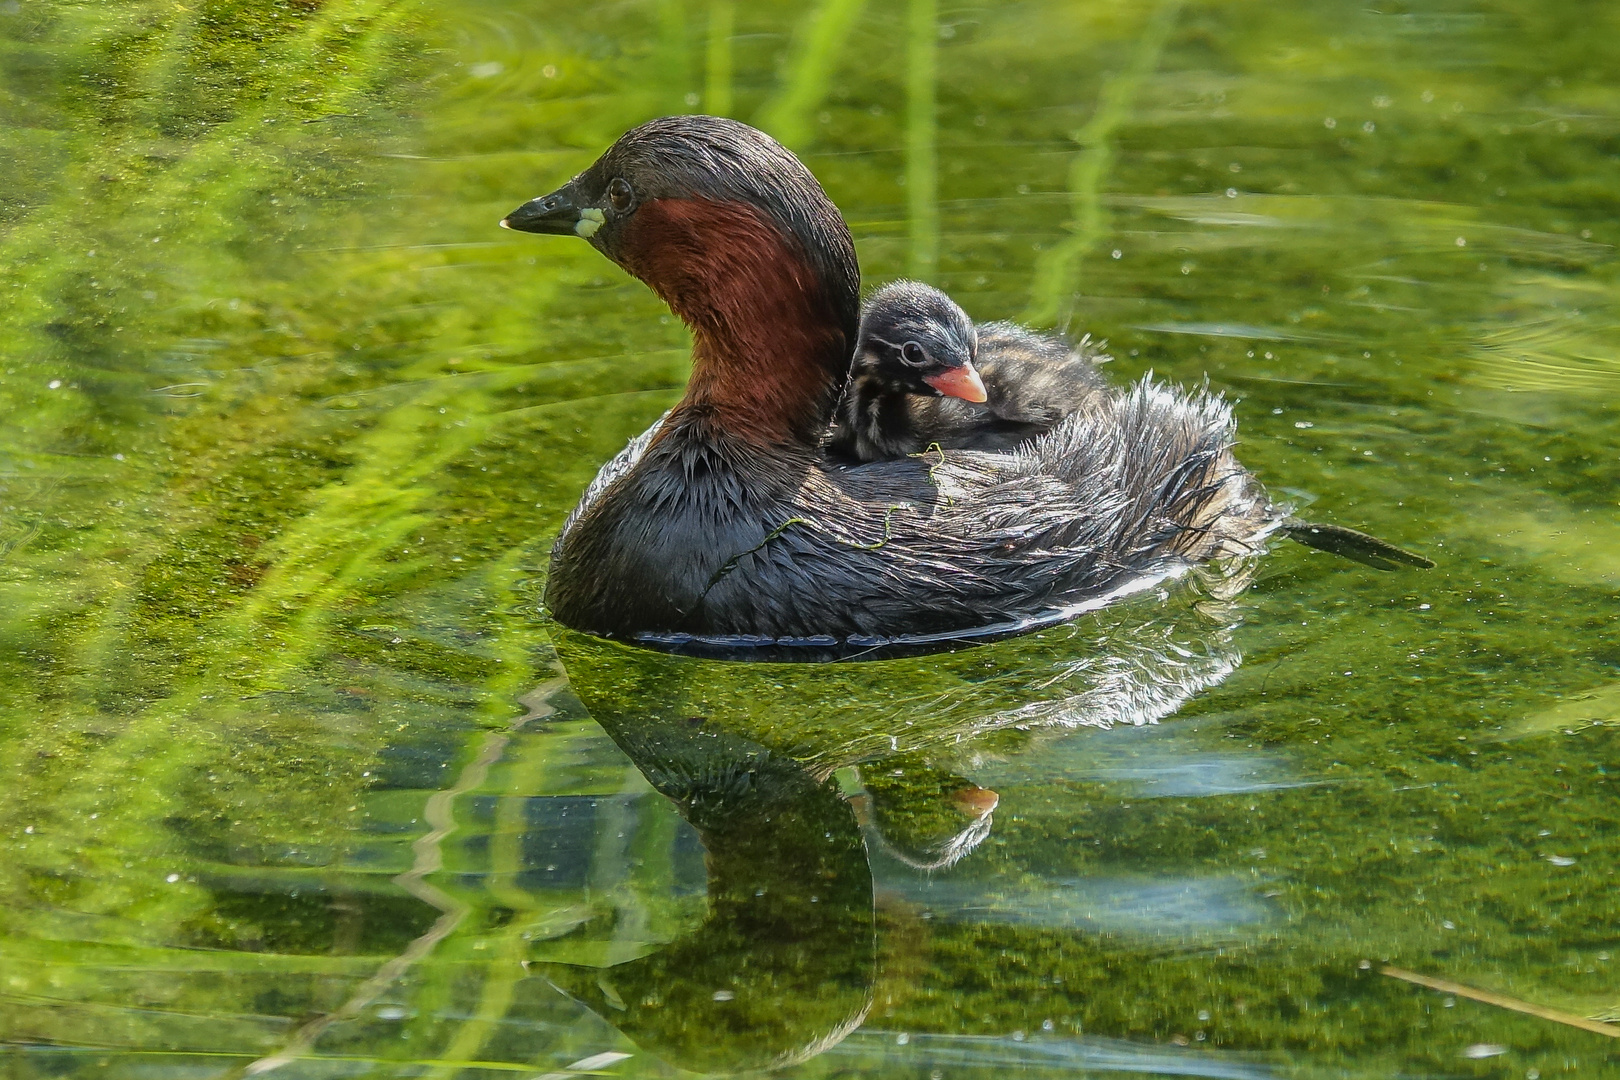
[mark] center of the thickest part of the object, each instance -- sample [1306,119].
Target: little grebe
[726,519]
[916,344]
[924,375]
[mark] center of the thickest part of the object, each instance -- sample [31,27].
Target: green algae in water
[289,423]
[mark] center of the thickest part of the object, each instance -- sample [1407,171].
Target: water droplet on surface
[1485,1050]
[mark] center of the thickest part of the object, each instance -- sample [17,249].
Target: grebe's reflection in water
[788,772]
[783,964]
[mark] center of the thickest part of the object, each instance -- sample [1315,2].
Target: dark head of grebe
[736,235]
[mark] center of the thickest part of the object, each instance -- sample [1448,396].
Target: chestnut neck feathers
[770,345]
[741,241]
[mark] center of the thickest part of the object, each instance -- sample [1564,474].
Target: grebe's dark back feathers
[1031,382]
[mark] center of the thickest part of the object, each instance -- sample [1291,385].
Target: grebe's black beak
[560,213]
[959,382]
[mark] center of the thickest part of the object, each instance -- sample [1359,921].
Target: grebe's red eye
[619,195]
[913,354]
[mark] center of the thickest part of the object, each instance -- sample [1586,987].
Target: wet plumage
[892,405]
[1140,485]
[728,519]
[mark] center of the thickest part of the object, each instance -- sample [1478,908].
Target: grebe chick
[913,384]
[924,375]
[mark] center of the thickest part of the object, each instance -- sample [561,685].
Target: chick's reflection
[924,815]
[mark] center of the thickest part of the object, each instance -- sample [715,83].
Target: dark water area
[298,780]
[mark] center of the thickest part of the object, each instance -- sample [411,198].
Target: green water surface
[297,780]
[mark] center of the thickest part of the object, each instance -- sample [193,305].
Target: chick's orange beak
[959,382]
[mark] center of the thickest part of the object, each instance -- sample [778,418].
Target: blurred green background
[290,763]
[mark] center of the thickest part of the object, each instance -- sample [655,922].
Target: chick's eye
[619,195]
[913,354]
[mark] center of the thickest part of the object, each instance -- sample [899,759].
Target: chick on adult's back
[925,375]
[914,384]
